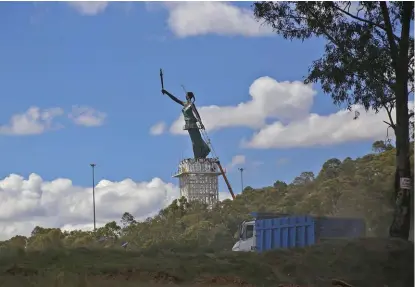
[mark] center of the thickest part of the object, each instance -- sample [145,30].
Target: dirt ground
[360,263]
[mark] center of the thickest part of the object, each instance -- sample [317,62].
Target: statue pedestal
[198,180]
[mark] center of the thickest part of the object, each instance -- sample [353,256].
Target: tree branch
[404,59]
[389,32]
[363,20]
[389,112]
[390,125]
[323,29]
[393,127]
[358,18]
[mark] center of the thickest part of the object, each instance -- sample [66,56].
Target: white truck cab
[247,231]
[246,237]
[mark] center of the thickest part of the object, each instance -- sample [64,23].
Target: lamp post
[93,192]
[241,169]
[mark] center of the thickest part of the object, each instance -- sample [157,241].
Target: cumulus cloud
[269,100]
[279,115]
[25,203]
[158,129]
[37,121]
[223,195]
[321,130]
[29,202]
[237,160]
[89,8]
[188,19]
[88,117]
[32,122]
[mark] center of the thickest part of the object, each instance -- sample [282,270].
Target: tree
[18,241]
[39,230]
[280,186]
[353,188]
[368,60]
[304,178]
[331,168]
[127,219]
[248,188]
[381,146]
[109,231]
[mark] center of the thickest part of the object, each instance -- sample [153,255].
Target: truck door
[247,237]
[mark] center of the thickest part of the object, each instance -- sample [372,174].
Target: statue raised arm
[164,92]
[191,117]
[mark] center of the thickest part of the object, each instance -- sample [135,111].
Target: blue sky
[98,68]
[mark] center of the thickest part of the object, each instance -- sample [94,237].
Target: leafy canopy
[348,188]
[358,66]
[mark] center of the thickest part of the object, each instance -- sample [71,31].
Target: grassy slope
[365,262]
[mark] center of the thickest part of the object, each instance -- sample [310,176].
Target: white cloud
[33,121]
[321,130]
[89,8]
[31,202]
[87,117]
[200,18]
[25,203]
[224,195]
[237,160]
[270,100]
[36,121]
[158,129]
[279,114]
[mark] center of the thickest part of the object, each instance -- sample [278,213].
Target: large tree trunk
[403,180]
[403,185]
[402,220]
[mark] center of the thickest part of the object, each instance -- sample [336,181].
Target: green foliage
[358,66]
[381,146]
[368,60]
[348,188]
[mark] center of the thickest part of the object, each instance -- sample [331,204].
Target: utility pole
[241,169]
[93,192]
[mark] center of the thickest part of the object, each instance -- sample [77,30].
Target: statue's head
[190,97]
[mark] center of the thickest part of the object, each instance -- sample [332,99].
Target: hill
[187,243]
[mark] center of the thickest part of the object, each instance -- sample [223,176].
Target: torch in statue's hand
[161,80]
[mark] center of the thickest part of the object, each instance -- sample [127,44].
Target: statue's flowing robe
[200,147]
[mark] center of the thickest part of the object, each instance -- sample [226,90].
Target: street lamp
[93,191]
[241,169]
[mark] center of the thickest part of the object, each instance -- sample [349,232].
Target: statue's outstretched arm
[173,97]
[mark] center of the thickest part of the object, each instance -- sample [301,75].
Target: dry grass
[368,262]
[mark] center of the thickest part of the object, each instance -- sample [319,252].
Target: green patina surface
[200,147]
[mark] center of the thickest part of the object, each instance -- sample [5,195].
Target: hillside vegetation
[187,242]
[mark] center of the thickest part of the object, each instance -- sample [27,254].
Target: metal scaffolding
[198,180]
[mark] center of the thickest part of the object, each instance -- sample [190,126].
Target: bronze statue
[191,118]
